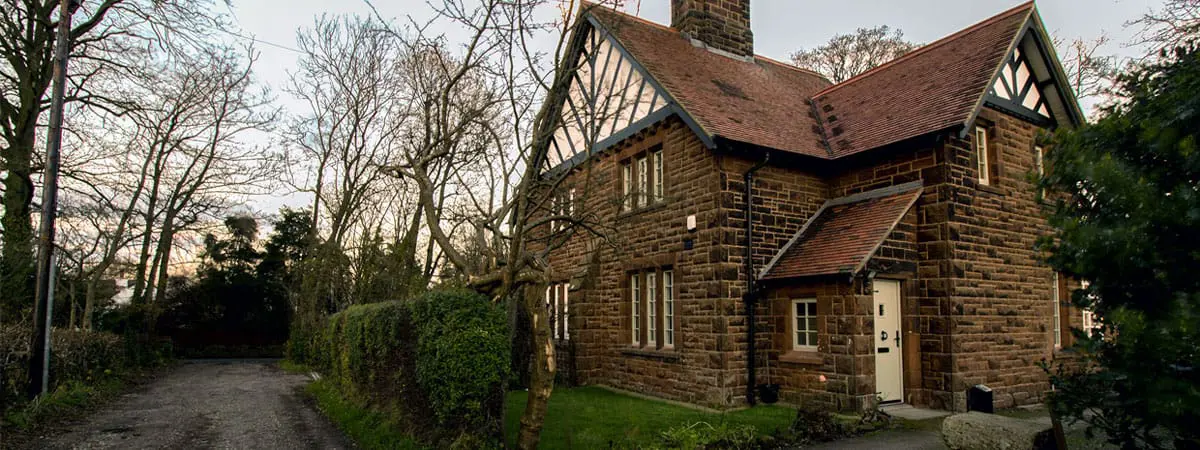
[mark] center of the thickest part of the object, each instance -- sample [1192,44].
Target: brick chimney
[719,24]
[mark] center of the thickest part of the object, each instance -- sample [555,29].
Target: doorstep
[908,412]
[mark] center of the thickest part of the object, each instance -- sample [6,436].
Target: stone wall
[653,238]
[843,356]
[1001,294]
[977,301]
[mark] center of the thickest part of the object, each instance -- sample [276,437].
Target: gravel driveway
[207,404]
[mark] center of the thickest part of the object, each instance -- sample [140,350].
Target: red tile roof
[843,234]
[935,87]
[771,104]
[764,102]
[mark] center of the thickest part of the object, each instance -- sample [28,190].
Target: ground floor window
[1057,300]
[804,324]
[652,308]
[558,306]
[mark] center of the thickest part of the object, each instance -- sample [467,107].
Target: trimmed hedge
[77,356]
[437,363]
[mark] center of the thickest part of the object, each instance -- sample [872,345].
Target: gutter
[751,296]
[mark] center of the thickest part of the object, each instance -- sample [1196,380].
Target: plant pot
[768,393]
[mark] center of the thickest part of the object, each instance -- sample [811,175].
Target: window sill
[806,357]
[667,355]
[991,188]
[1066,353]
[661,204]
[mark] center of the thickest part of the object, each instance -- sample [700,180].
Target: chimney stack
[719,24]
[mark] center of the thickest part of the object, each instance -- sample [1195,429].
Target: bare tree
[107,38]
[847,55]
[484,112]
[195,166]
[1174,25]
[1089,72]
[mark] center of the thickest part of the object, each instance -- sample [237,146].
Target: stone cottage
[870,239]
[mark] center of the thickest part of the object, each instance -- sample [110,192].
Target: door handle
[897,338]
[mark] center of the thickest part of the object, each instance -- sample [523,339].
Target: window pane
[812,324]
[812,338]
[812,309]
[635,299]
[626,186]
[651,308]
[981,154]
[658,176]
[643,177]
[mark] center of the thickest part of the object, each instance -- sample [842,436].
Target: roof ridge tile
[932,45]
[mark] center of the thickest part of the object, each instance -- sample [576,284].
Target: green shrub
[437,363]
[462,357]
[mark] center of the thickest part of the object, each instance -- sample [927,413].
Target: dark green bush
[437,363]
[462,356]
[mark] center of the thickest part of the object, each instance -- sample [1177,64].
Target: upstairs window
[985,157]
[626,187]
[642,180]
[658,175]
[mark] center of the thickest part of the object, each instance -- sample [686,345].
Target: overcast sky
[780,26]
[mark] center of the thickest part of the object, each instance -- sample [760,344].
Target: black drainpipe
[751,296]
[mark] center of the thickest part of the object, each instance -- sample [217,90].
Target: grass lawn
[591,417]
[368,428]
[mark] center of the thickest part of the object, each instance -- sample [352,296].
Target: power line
[233,14]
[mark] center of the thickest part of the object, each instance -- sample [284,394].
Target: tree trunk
[541,379]
[16,261]
[89,302]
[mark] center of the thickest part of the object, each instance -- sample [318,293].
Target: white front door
[889,383]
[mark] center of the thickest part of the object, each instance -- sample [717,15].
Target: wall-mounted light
[691,223]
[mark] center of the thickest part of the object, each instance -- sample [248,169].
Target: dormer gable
[1031,84]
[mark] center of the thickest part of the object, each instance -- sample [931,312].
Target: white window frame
[658,175]
[651,309]
[552,308]
[1088,321]
[981,155]
[668,309]
[627,186]
[796,320]
[1057,301]
[1040,154]
[566,305]
[636,300]
[643,179]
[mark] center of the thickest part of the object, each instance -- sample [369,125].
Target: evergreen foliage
[438,363]
[1125,195]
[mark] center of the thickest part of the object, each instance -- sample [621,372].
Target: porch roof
[843,234]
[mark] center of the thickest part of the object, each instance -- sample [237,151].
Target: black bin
[979,398]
